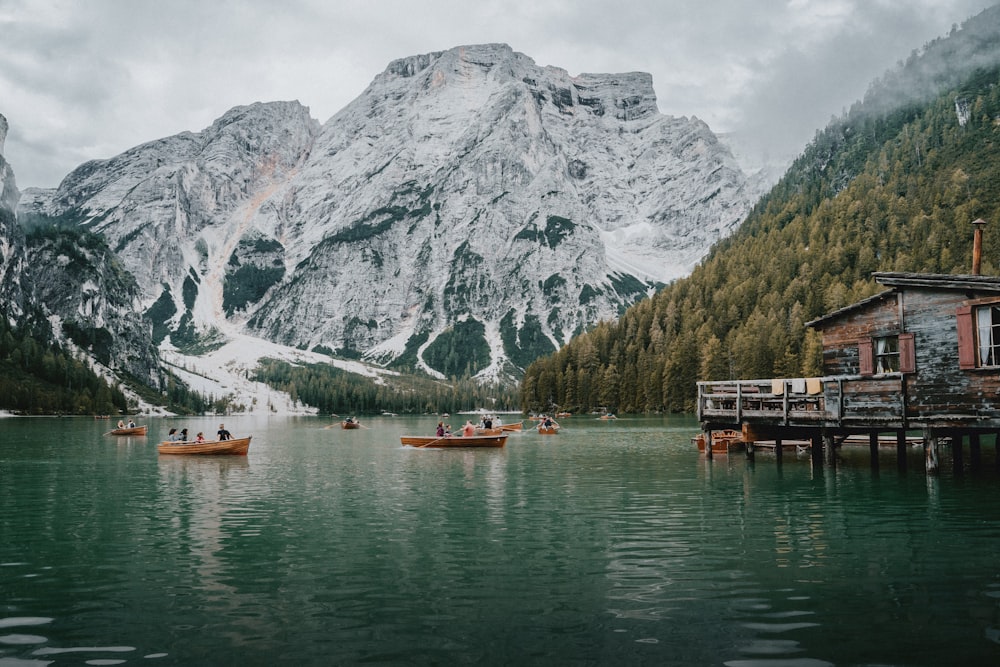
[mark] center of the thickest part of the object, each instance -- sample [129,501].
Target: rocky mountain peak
[467,212]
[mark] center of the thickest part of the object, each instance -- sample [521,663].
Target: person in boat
[200,437]
[121,424]
[223,433]
[469,429]
[172,435]
[447,430]
[547,422]
[131,423]
[440,430]
[497,423]
[349,420]
[183,436]
[488,422]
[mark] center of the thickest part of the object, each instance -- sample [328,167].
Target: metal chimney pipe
[977,245]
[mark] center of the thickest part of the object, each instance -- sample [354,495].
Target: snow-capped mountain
[468,211]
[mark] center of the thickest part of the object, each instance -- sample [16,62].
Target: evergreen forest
[39,378]
[891,185]
[333,391]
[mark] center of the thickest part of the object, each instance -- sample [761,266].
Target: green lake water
[610,543]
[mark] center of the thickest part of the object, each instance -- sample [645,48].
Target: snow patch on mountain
[227,371]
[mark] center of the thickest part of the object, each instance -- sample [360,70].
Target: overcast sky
[82,80]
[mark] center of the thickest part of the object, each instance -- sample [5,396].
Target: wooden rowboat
[454,440]
[135,430]
[722,441]
[348,425]
[511,427]
[234,446]
[489,431]
[548,430]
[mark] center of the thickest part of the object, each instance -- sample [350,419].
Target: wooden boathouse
[923,356]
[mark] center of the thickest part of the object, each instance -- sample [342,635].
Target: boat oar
[428,444]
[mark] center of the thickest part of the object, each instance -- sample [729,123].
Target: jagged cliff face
[88,298]
[468,203]
[11,239]
[66,281]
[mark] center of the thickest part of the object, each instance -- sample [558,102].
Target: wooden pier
[919,357]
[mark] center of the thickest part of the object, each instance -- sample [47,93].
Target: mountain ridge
[492,206]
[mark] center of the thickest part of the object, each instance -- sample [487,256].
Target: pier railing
[829,401]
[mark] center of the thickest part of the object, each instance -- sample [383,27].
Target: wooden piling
[816,449]
[901,449]
[975,451]
[931,459]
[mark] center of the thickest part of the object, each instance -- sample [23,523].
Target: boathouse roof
[840,312]
[939,281]
[896,280]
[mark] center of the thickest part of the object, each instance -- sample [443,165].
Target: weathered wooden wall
[939,388]
[841,336]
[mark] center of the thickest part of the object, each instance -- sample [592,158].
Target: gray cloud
[83,81]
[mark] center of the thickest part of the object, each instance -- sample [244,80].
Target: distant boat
[233,446]
[548,430]
[454,440]
[349,424]
[134,430]
[607,417]
[489,431]
[512,427]
[564,414]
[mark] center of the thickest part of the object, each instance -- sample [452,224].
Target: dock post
[708,445]
[957,454]
[901,449]
[873,448]
[750,451]
[817,448]
[777,450]
[975,451]
[831,450]
[930,451]
[996,447]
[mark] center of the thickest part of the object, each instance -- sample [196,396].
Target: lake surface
[611,543]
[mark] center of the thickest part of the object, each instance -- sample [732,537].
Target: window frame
[979,336]
[870,358]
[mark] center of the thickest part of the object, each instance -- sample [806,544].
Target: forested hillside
[893,185]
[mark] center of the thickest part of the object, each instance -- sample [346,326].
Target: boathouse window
[979,336]
[887,354]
